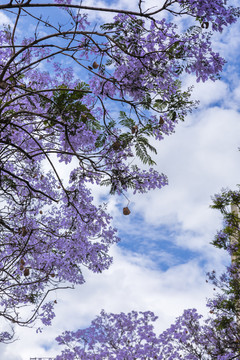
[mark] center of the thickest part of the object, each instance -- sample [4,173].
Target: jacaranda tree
[132,336]
[78,103]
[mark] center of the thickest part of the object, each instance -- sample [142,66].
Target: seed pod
[95,65]
[126,211]
[205,25]
[40,212]
[174,116]
[161,121]
[21,267]
[134,129]
[52,275]
[3,85]
[26,272]
[84,117]
[116,145]
[22,261]
[55,301]
[23,231]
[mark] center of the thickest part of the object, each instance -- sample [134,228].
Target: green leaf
[141,151]
[125,120]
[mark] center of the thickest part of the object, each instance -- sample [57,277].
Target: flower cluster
[132,336]
[216,12]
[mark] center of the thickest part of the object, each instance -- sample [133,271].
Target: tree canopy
[85,100]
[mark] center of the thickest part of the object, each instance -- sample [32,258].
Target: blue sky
[164,253]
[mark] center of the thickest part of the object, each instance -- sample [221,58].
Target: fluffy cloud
[4,19]
[130,284]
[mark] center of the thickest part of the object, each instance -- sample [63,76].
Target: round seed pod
[3,85]
[134,129]
[26,272]
[116,145]
[22,261]
[205,25]
[126,211]
[95,65]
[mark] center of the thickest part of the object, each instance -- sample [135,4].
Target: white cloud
[128,285]
[4,19]
[199,159]
[236,97]
[103,17]
[209,92]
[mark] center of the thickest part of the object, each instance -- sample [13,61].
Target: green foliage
[69,106]
[126,121]
[9,183]
[223,203]
[141,147]
[229,239]
[160,104]
[172,107]
[194,30]
[226,198]
[176,50]
[133,136]
[117,178]
[102,138]
[147,102]
[133,26]
[223,323]
[140,142]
